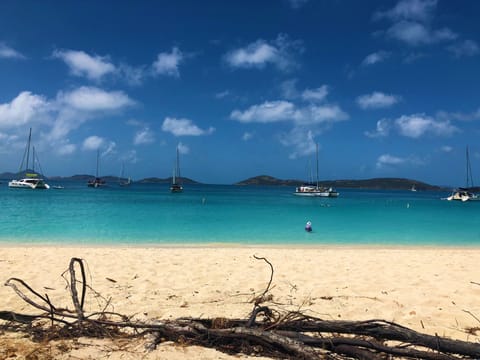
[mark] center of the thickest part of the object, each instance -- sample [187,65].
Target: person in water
[308,227]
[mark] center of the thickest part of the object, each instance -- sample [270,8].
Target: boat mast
[469,171]
[98,155]
[317,162]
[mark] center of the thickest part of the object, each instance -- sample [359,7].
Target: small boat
[464,194]
[97,182]
[314,190]
[31,179]
[124,181]
[413,188]
[176,186]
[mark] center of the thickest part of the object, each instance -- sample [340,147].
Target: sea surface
[148,214]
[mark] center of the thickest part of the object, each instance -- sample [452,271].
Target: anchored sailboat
[123,181]
[97,182]
[32,179]
[314,190]
[176,185]
[464,194]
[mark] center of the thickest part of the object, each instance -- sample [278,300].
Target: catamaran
[314,190]
[31,180]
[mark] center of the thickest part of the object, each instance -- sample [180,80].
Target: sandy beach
[431,290]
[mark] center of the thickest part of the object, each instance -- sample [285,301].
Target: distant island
[375,183]
[265,180]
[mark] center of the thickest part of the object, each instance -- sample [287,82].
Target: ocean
[148,214]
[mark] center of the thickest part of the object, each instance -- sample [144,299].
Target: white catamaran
[32,180]
[314,190]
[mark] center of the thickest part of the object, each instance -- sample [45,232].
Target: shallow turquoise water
[150,214]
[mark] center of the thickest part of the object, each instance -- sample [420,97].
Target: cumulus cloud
[24,109]
[414,33]
[93,142]
[301,140]
[388,160]
[417,125]
[375,58]
[318,94]
[268,112]
[168,63]
[377,100]
[82,64]
[382,129]
[281,110]
[143,136]
[420,10]
[412,23]
[464,48]
[184,127]
[279,52]
[6,52]
[93,99]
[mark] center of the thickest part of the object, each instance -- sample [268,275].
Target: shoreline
[428,289]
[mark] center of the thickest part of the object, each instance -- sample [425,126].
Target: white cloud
[268,112]
[417,125]
[419,10]
[382,129]
[446,149]
[82,64]
[143,136]
[22,110]
[184,127]
[93,99]
[377,100]
[288,88]
[414,33]
[168,63]
[279,53]
[66,148]
[93,143]
[412,23]
[375,58]
[389,160]
[301,140]
[277,111]
[7,52]
[464,48]
[222,94]
[318,94]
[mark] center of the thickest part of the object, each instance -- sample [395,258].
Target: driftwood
[266,331]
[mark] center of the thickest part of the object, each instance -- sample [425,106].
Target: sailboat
[464,194]
[123,181]
[314,190]
[176,187]
[31,180]
[97,182]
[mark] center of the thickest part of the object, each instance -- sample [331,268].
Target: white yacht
[31,180]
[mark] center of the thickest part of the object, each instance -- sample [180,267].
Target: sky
[243,88]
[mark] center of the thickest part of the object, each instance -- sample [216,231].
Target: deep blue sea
[204,214]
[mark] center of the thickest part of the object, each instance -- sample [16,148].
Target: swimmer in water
[308,227]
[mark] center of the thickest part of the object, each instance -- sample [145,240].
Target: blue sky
[244,88]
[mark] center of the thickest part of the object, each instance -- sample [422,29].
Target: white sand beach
[429,289]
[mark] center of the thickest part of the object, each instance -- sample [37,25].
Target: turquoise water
[150,214]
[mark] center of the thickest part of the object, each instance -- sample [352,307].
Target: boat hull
[32,184]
